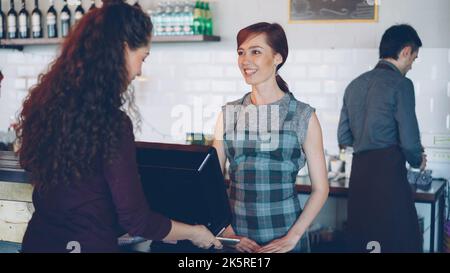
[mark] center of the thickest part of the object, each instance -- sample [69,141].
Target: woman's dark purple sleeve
[132,209]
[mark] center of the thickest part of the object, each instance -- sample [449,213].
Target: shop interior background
[184,85]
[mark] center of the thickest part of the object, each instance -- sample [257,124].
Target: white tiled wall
[318,77]
[182,89]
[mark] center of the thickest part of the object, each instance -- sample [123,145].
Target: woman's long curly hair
[72,120]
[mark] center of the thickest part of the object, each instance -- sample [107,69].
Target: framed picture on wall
[329,11]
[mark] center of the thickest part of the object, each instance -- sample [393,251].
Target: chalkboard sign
[333,10]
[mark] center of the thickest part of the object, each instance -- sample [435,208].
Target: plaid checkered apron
[263,199]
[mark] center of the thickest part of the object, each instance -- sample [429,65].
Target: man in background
[378,120]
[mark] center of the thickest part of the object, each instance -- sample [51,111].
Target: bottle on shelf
[36,21]
[198,18]
[208,20]
[79,12]
[168,19]
[12,21]
[177,17]
[24,22]
[2,23]
[188,17]
[51,19]
[157,19]
[65,20]
[92,5]
[203,13]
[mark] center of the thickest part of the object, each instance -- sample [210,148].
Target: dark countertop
[340,189]
[10,170]
[13,175]
[303,185]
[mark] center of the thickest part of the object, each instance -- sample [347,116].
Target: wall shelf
[183,39]
[21,43]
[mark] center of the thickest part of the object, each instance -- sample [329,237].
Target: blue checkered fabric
[264,202]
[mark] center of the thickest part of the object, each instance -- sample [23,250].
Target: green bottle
[202,21]
[198,25]
[208,20]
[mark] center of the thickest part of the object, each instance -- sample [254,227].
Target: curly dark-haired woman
[78,144]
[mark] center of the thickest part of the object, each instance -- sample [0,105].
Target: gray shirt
[379,112]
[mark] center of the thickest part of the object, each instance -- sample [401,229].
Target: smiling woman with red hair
[267,136]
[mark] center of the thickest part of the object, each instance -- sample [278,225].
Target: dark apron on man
[381,212]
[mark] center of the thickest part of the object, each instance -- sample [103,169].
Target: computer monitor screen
[184,183]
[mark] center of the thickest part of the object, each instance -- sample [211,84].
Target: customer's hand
[203,238]
[424,162]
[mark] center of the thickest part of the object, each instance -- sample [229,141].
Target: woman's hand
[203,238]
[281,245]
